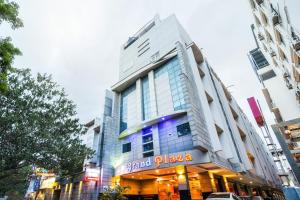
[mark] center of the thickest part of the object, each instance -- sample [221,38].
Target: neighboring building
[276,61]
[85,185]
[173,129]
[82,185]
[92,140]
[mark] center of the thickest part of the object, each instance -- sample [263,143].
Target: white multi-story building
[174,127]
[276,61]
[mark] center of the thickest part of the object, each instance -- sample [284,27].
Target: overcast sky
[78,42]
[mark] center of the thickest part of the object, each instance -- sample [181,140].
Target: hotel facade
[173,130]
[170,129]
[276,62]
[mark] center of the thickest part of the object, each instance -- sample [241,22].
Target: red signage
[256,111]
[90,178]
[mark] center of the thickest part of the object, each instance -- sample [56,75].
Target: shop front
[178,176]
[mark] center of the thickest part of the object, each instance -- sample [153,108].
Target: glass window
[147,130]
[148,154]
[173,68]
[123,107]
[148,146]
[146,112]
[183,129]
[126,147]
[147,138]
[267,75]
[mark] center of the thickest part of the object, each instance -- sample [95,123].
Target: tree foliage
[7,54]
[38,127]
[9,12]
[115,193]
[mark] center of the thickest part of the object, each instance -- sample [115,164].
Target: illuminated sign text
[172,158]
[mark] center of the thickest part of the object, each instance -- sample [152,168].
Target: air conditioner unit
[260,36]
[296,40]
[259,2]
[286,75]
[296,44]
[289,85]
[276,19]
[297,93]
[272,53]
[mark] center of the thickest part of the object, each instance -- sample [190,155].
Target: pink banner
[256,111]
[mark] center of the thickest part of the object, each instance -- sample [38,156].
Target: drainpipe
[252,29]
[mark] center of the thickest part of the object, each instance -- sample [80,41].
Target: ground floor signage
[177,158]
[135,165]
[155,162]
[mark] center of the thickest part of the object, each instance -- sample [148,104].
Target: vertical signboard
[256,112]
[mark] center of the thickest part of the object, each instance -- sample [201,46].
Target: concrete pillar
[226,184]
[183,182]
[212,182]
[155,135]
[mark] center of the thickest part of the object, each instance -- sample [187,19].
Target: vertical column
[226,184]
[155,135]
[79,190]
[153,103]
[138,91]
[183,182]
[212,182]
[70,191]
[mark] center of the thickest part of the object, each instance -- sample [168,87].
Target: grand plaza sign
[156,162]
[172,159]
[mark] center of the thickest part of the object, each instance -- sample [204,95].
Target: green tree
[9,12]
[38,126]
[115,193]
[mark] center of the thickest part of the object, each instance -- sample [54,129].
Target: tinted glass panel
[183,129]
[145,98]
[148,154]
[126,147]
[148,146]
[268,75]
[147,138]
[173,68]
[259,59]
[123,107]
[147,130]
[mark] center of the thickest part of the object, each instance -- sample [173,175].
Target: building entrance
[173,183]
[168,188]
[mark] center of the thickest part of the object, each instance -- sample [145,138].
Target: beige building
[276,61]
